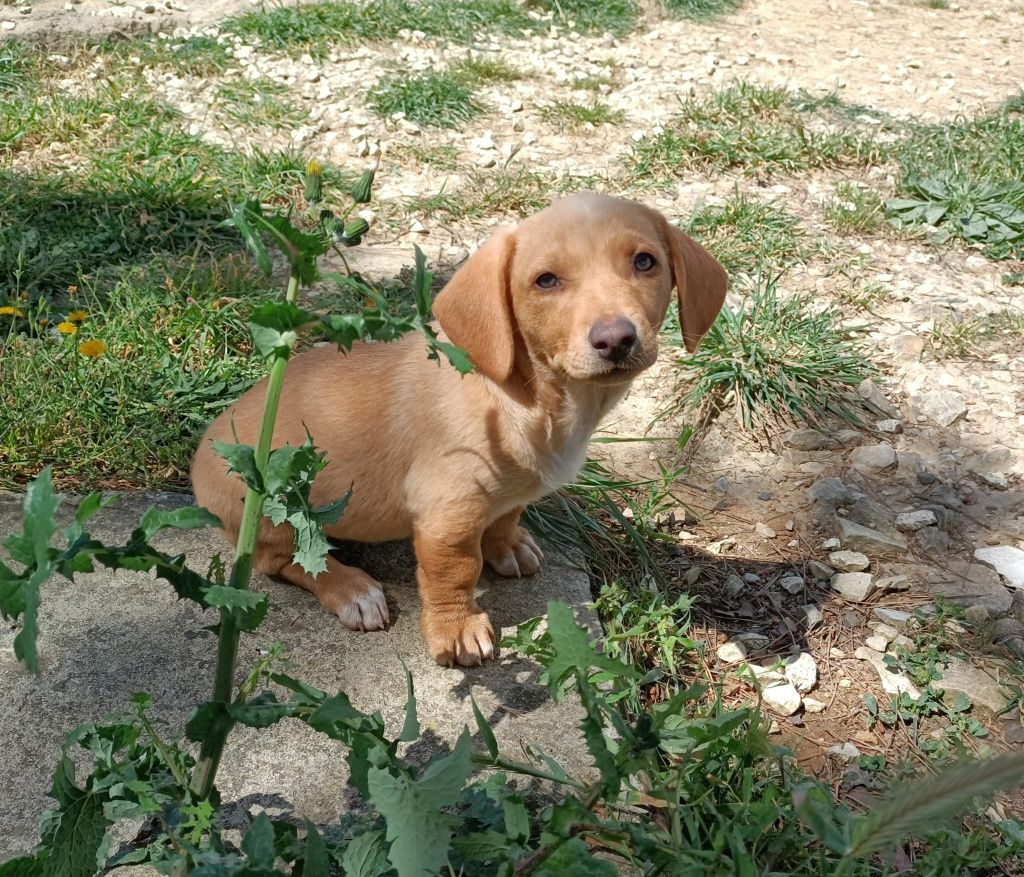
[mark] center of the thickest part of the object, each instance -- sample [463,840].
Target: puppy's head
[579,291]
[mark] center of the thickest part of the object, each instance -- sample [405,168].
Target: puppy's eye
[644,262]
[547,280]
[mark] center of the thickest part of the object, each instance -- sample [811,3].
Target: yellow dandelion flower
[314,167]
[92,348]
[78,316]
[67,328]
[10,311]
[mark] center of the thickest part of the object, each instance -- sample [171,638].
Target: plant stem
[227,637]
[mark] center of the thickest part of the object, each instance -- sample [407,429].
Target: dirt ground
[753,513]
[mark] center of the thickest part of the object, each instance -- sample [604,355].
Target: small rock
[932,542]
[812,616]
[753,641]
[781,697]
[904,642]
[751,578]
[869,392]
[857,537]
[887,631]
[733,586]
[7,25]
[792,584]
[844,752]
[831,492]
[808,440]
[849,561]
[892,683]
[802,672]
[764,531]
[854,586]
[874,458]
[813,706]
[911,522]
[993,467]
[968,584]
[893,583]
[895,617]
[820,571]
[417,227]
[959,677]
[731,653]
[1013,731]
[876,642]
[976,616]
[893,427]
[828,544]
[851,619]
[944,407]
[1005,560]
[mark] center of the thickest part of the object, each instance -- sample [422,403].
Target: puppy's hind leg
[508,549]
[345,591]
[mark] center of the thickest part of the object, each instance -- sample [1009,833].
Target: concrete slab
[111,634]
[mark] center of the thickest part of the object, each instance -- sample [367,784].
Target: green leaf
[486,734]
[573,650]
[419,830]
[593,733]
[261,711]
[245,217]
[241,460]
[204,717]
[258,843]
[186,518]
[483,846]
[23,866]
[274,327]
[458,357]
[411,727]
[246,608]
[315,861]
[72,839]
[365,856]
[814,805]
[517,820]
[573,859]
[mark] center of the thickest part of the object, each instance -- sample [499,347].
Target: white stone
[873,458]
[891,426]
[944,407]
[828,544]
[764,531]
[1005,560]
[893,583]
[844,752]
[731,653]
[849,561]
[894,617]
[911,522]
[812,616]
[781,697]
[887,631]
[854,586]
[811,705]
[792,584]
[802,672]
[876,642]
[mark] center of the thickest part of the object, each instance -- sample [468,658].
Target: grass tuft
[700,10]
[476,70]
[962,337]
[776,359]
[431,99]
[588,16]
[571,116]
[257,103]
[855,209]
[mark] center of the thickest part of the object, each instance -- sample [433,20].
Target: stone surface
[802,672]
[910,522]
[893,583]
[831,492]
[1005,560]
[853,586]
[792,584]
[844,752]
[967,584]
[810,615]
[932,542]
[808,440]
[868,391]
[731,652]
[812,705]
[891,426]
[876,642]
[960,677]
[820,571]
[849,561]
[895,617]
[892,683]
[944,407]
[108,635]
[857,537]
[781,697]
[873,458]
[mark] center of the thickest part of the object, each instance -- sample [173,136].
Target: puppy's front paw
[516,556]
[357,601]
[466,642]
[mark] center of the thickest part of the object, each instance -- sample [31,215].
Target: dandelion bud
[354,231]
[314,182]
[331,225]
[361,190]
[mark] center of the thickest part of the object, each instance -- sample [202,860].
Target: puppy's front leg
[455,629]
[508,549]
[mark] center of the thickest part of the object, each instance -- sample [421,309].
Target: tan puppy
[558,316]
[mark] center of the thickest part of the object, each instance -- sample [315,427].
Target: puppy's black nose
[613,340]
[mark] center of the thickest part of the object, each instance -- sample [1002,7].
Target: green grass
[854,209]
[315,27]
[257,103]
[442,157]
[588,16]
[700,10]
[431,99]
[187,56]
[478,70]
[976,336]
[776,359]
[572,116]
[177,351]
[751,128]
[748,236]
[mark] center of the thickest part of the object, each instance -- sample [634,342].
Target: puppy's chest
[559,467]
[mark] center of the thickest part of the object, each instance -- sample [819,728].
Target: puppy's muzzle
[614,340]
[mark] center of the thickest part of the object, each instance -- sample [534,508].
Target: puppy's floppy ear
[701,284]
[475,308]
